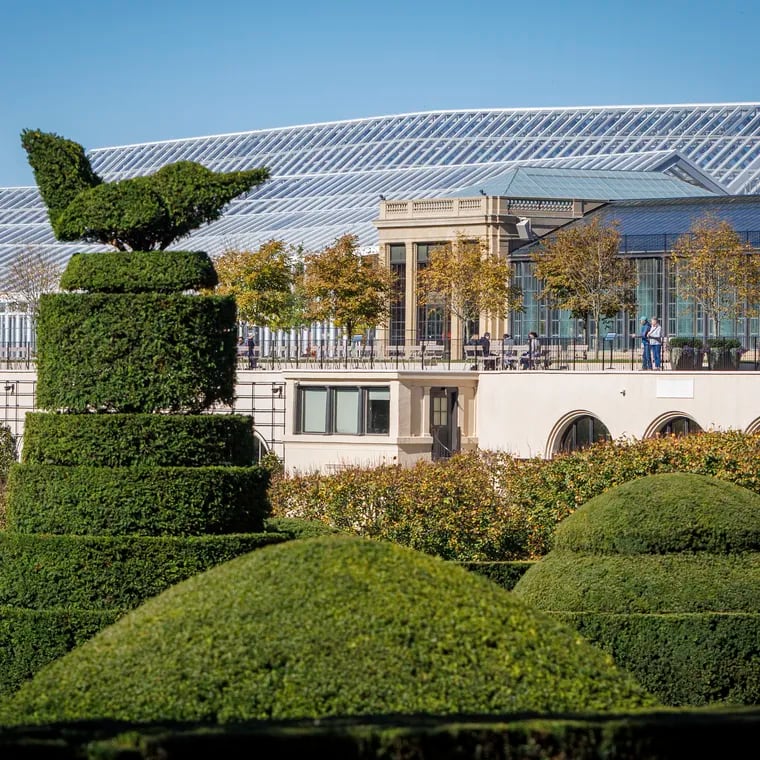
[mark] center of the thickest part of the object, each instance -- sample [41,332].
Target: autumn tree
[582,271]
[263,283]
[26,277]
[343,285]
[717,271]
[469,280]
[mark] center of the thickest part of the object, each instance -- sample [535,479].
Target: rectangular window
[378,410]
[313,404]
[343,410]
[398,301]
[346,411]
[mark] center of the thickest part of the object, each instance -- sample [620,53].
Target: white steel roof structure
[327,178]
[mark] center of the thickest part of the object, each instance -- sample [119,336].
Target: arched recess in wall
[576,430]
[753,427]
[672,423]
[260,448]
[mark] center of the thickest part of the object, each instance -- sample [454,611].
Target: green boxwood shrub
[616,583]
[139,272]
[30,639]
[329,626]
[141,352]
[686,659]
[124,440]
[149,501]
[296,528]
[610,563]
[104,572]
[505,574]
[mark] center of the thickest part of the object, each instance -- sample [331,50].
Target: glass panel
[313,410]
[398,303]
[378,410]
[346,411]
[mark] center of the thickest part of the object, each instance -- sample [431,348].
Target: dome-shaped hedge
[328,626]
[664,573]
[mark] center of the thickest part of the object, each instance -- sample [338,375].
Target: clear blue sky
[112,72]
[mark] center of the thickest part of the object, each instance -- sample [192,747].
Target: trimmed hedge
[139,272]
[487,505]
[295,528]
[669,513]
[104,572]
[685,659]
[124,440]
[684,582]
[672,735]
[504,574]
[30,639]
[148,501]
[141,352]
[329,626]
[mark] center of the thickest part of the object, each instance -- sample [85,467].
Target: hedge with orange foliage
[488,505]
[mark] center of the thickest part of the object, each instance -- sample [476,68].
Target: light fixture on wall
[382,197]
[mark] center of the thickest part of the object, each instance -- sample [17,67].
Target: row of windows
[586,430]
[342,410]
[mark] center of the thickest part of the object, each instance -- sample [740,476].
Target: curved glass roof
[328,178]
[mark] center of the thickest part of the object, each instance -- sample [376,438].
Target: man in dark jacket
[646,352]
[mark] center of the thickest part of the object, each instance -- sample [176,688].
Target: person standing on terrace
[655,342]
[646,352]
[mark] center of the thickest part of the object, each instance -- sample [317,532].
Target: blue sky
[112,72]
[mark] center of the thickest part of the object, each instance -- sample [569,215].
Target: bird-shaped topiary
[138,214]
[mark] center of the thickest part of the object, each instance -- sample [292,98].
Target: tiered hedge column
[125,485]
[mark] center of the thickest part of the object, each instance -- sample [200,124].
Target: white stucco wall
[525,413]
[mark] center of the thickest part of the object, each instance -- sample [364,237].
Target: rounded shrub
[644,567]
[329,626]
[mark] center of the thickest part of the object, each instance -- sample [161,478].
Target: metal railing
[566,354]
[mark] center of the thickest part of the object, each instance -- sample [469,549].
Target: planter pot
[725,359]
[686,358]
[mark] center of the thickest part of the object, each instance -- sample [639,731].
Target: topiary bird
[138,214]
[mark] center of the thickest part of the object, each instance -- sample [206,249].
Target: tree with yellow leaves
[717,271]
[345,286]
[469,280]
[262,282]
[583,272]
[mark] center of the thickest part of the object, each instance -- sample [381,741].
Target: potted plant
[686,353]
[723,353]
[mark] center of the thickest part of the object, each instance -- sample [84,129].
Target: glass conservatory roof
[532,182]
[327,179]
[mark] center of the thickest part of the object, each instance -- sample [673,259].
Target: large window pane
[314,410]
[347,411]
[378,410]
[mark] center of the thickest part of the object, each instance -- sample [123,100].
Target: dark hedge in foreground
[673,735]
